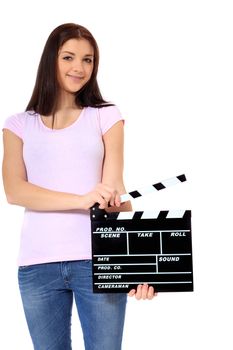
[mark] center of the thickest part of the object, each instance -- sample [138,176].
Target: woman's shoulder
[105,109]
[20,116]
[107,116]
[109,110]
[16,122]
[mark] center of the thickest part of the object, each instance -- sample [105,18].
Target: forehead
[77,46]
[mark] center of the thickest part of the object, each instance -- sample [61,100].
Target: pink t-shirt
[66,160]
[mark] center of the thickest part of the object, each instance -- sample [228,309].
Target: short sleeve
[108,116]
[15,123]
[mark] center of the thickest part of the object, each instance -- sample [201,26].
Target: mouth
[75,78]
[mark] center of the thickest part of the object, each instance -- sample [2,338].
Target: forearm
[34,197]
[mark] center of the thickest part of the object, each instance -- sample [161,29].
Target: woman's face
[75,64]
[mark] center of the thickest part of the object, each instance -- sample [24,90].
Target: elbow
[10,199]
[13,192]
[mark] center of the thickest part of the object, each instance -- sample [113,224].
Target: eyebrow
[71,53]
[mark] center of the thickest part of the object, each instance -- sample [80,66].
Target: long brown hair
[45,93]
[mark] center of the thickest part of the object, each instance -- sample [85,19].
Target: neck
[66,101]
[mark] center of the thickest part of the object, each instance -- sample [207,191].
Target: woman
[61,156]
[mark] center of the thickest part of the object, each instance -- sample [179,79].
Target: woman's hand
[143,292]
[102,194]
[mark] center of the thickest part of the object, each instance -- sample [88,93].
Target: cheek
[60,70]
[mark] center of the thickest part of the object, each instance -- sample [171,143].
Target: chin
[73,90]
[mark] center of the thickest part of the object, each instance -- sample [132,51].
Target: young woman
[61,156]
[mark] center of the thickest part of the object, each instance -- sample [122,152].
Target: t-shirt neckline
[62,129]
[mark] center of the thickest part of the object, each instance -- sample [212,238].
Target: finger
[113,198]
[138,293]
[144,291]
[131,292]
[112,194]
[102,197]
[117,199]
[151,293]
[102,205]
[106,195]
[99,199]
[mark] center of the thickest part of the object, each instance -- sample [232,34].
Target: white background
[168,65]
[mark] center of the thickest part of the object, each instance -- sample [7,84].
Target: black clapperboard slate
[131,248]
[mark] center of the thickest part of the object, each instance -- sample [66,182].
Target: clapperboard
[131,248]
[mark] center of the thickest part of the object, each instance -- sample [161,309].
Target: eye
[88,60]
[67,58]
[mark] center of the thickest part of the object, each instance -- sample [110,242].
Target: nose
[78,66]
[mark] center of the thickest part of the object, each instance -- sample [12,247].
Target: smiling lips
[75,78]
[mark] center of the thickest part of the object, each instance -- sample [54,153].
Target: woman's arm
[114,163]
[20,192]
[113,176]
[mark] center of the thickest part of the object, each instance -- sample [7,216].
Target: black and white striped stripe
[156,214]
[156,187]
[100,214]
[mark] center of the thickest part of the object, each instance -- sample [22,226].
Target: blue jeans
[47,292]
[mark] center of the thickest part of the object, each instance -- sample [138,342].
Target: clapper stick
[156,187]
